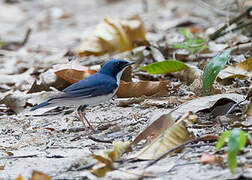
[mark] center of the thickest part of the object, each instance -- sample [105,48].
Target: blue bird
[92,90]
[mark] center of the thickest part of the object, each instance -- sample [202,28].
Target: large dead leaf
[47,80]
[241,70]
[36,175]
[111,36]
[156,128]
[173,136]
[72,72]
[204,103]
[142,88]
[105,161]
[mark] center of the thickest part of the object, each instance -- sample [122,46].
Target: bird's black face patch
[113,67]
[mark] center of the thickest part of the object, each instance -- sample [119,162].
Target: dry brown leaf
[205,103]
[111,36]
[72,72]
[19,177]
[2,167]
[142,88]
[156,128]
[48,79]
[106,158]
[241,70]
[207,158]
[173,136]
[36,175]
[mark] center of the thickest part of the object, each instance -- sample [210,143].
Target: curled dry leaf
[105,161]
[47,80]
[156,128]
[142,88]
[173,136]
[72,72]
[206,103]
[241,70]
[111,36]
[36,175]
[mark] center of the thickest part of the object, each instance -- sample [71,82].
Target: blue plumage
[95,85]
[46,103]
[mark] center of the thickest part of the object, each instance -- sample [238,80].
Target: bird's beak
[130,63]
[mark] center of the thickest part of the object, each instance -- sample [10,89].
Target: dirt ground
[52,143]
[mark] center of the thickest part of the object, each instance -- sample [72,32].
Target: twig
[204,138]
[27,35]
[242,47]
[232,107]
[219,33]
[99,140]
[236,28]
[18,157]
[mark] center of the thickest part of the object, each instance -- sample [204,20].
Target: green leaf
[242,139]
[212,69]
[2,43]
[232,161]
[222,139]
[164,67]
[186,33]
[191,43]
[236,142]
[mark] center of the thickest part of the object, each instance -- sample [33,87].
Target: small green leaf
[191,43]
[2,43]
[186,33]
[234,145]
[232,161]
[242,139]
[222,139]
[212,69]
[164,67]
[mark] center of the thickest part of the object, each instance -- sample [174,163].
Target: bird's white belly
[82,101]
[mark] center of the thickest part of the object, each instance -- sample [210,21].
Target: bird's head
[114,67]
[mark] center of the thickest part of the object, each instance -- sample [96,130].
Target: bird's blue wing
[95,85]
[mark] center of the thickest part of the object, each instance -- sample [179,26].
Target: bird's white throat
[118,76]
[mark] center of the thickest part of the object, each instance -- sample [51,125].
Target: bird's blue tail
[40,105]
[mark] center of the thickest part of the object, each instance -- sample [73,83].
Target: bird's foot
[83,117]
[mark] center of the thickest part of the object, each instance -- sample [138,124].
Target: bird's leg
[79,112]
[82,109]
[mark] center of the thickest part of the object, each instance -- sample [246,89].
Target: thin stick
[204,138]
[18,157]
[218,33]
[99,140]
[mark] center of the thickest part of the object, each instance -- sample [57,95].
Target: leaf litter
[52,142]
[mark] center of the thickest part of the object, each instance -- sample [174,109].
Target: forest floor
[53,142]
